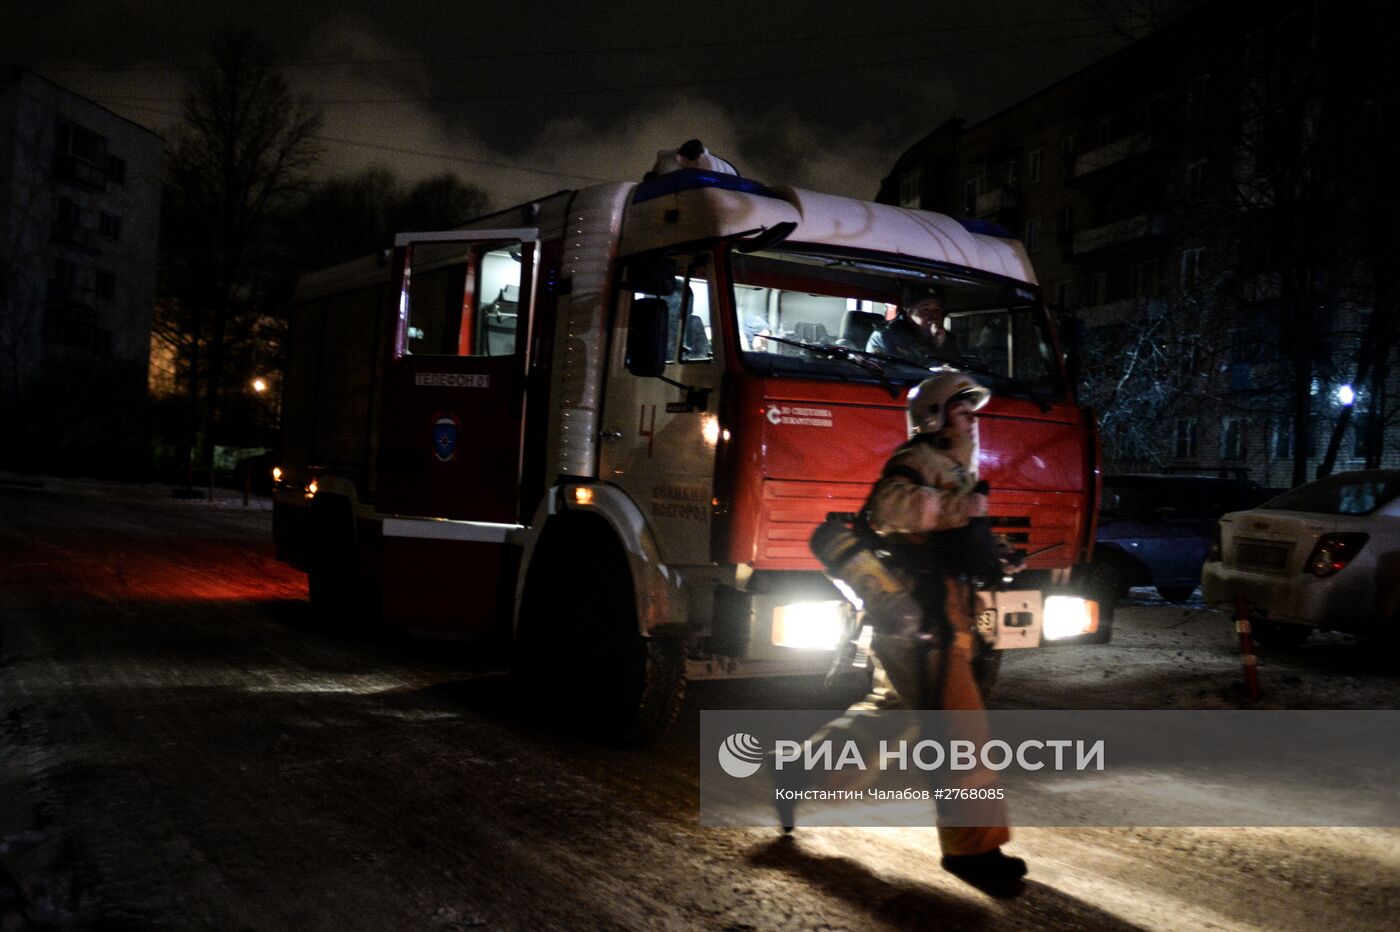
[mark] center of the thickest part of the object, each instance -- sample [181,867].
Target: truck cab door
[451,425]
[454,391]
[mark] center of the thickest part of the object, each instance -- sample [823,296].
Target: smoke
[413,137]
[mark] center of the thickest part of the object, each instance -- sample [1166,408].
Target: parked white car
[1323,555]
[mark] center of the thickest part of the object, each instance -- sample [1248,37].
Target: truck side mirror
[647,330]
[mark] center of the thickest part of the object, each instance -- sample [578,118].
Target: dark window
[69,213]
[1145,278]
[1190,268]
[1064,222]
[1232,439]
[63,280]
[1185,437]
[80,155]
[1360,442]
[68,221]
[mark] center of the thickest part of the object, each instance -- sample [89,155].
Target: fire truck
[604,424]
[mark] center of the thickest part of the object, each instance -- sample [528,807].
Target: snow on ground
[140,491]
[1169,656]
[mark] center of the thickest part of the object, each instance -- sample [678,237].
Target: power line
[459,158]
[403,150]
[605,50]
[671,85]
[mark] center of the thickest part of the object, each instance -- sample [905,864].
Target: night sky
[818,94]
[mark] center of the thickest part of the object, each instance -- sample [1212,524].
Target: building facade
[1193,199]
[79,220]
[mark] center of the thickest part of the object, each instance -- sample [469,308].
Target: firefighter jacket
[926,486]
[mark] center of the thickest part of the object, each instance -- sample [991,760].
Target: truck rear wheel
[578,654]
[332,578]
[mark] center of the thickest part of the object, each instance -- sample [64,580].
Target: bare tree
[241,158]
[347,217]
[1373,135]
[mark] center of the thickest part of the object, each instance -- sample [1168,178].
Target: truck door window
[689,332]
[498,301]
[465,300]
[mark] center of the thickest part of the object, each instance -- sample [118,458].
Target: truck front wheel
[578,654]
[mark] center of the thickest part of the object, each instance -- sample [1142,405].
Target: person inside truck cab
[919,333]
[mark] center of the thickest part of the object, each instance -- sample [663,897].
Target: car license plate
[1272,556]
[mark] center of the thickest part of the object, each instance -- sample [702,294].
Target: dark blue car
[1154,530]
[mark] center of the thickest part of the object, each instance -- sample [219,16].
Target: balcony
[991,202]
[1123,310]
[78,237]
[73,169]
[1119,233]
[1117,151]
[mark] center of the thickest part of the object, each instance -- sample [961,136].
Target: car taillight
[1333,552]
[1213,555]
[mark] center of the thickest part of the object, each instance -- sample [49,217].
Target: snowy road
[180,748]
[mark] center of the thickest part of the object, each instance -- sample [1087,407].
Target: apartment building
[79,217]
[1146,189]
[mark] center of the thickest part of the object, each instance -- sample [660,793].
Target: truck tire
[986,668]
[332,578]
[578,654]
[1105,582]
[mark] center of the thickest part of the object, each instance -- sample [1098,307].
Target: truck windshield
[811,314]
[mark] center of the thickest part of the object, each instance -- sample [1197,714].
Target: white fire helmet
[929,400]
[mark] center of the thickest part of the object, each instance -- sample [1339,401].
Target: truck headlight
[1068,616]
[809,625]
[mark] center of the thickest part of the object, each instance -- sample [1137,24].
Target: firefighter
[924,504]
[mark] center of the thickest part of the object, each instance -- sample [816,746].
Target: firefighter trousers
[908,675]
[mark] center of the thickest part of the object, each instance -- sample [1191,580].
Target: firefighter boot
[988,869]
[787,783]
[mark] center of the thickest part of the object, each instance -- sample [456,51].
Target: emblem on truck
[446,428]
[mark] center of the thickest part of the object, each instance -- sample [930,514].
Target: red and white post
[1247,655]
